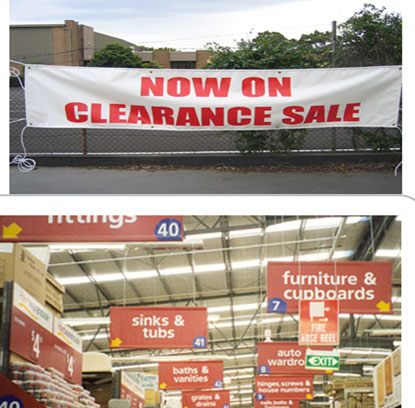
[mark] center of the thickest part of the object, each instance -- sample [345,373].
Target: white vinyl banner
[88,97]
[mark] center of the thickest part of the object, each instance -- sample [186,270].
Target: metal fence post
[84,142]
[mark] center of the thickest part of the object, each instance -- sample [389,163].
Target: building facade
[74,44]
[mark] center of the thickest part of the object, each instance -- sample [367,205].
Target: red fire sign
[158,327]
[360,287]
[319,322]
[90,228]
[202,399]
[190,375]
[284,358]
[268,387]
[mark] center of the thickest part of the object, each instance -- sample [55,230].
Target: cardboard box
[152,397]
[54,294]
[24,268]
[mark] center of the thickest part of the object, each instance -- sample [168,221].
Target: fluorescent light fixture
[141,274]
[391,318]
[248,306]
[145,365]
[86,321]
[203,236]
[388,253]
[320,223]
[253,263]
[220,267]
[322,256]
[99,336]
[217,309]
[279,259]
[183,270]
[85,246]
[364,352]
[245,233]
[284,226]
[384,332]
[72,280]
[177,357]
[108,277]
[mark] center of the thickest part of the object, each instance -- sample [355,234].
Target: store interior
[220,263]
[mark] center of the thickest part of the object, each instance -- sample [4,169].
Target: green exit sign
[322,360]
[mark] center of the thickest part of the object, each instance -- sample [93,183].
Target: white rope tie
[23,163]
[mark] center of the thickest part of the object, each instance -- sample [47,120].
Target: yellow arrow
[12,231]
[329,371]
[29,311]
[64,337]
[309,396]
[163,386]
[116,342]
[383,306]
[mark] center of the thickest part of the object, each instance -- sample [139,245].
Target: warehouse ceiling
[221,264]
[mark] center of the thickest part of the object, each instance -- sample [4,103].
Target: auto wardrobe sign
[126,98]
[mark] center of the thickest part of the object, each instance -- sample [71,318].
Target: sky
[191,24]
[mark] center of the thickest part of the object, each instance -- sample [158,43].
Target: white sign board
[126,98]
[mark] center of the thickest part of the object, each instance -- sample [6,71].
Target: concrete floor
[76,180]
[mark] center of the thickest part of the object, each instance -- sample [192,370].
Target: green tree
[117,55]
[271,50]
[371,37]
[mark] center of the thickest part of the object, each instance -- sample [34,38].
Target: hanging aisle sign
[126,98]
[284,387]
[190,375]
[158,327]
[206,399]
[272,403]
[90,228]
[285,358]
[360,287]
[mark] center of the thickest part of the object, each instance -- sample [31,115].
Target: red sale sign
[319,322]
[269,387]
[284,358]
[90,228]
[188,375]
[41,338]
[206,399]
[158,327]
[272,403]
[360,287]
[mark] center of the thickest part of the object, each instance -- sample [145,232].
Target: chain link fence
[116,142]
